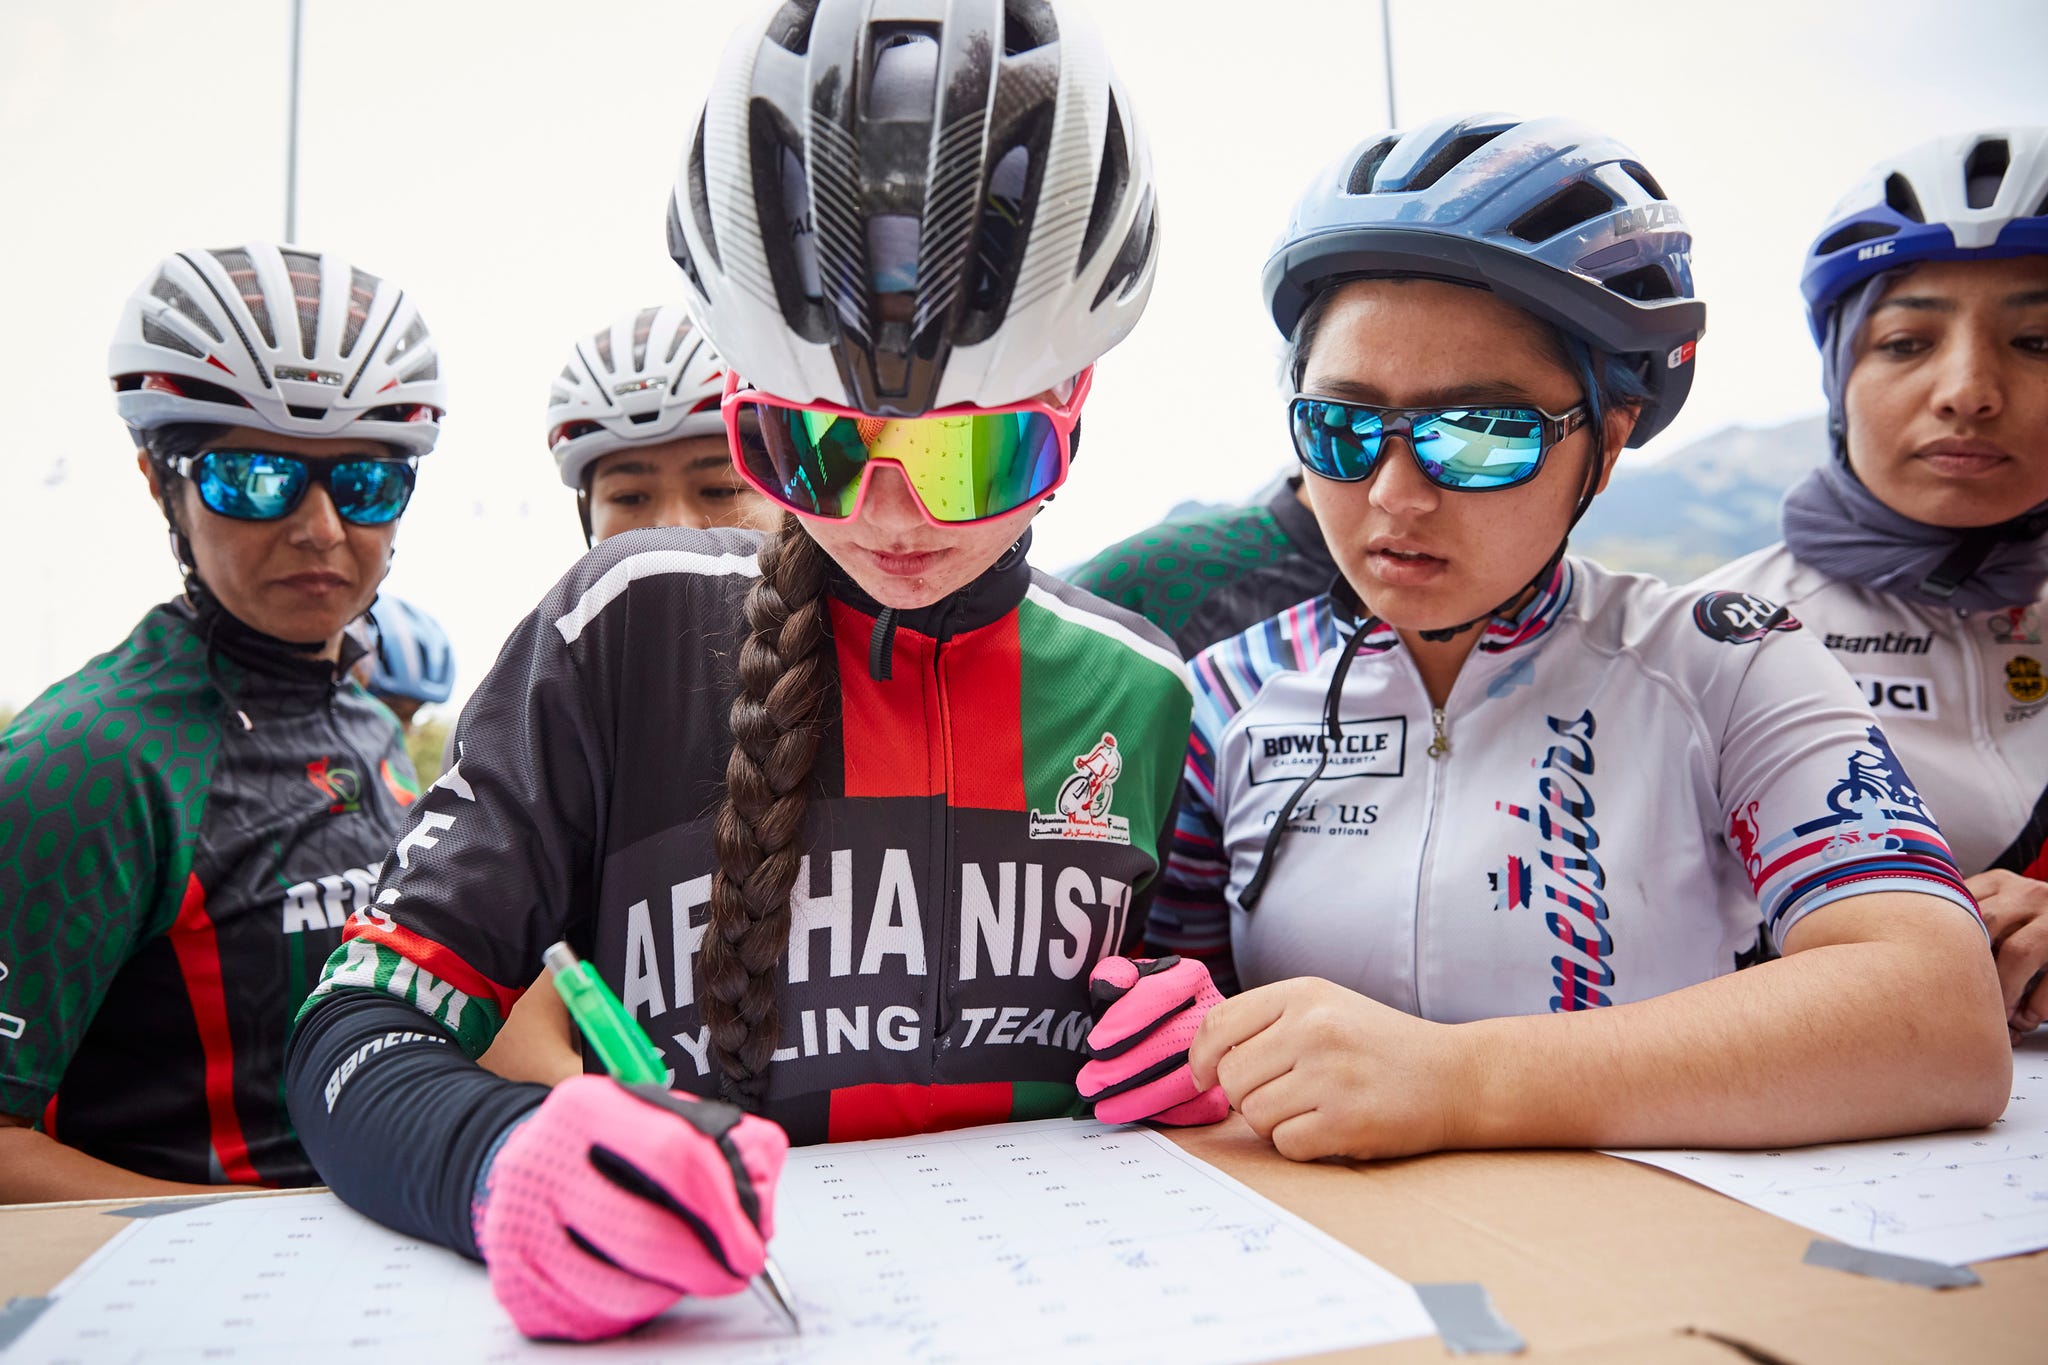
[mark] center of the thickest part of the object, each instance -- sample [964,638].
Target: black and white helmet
[277,337]
[900,205]
[648,377]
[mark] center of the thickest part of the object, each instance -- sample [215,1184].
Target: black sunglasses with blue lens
[1469,449]
[262,485]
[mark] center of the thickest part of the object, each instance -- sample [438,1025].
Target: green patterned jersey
[1209,577]
[185,823]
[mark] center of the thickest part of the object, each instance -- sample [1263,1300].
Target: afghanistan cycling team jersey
[1629,790]
[985,824]
[1961,694]
[183,837]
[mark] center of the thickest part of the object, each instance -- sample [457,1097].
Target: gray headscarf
[1838,526]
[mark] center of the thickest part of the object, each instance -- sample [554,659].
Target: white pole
[291,147]
[1386,48]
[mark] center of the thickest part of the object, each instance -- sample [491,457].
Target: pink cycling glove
[610,1202]
[1146,1014]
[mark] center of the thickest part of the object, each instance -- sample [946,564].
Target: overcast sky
[509,164]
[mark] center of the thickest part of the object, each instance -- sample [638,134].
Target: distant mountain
[1702,505]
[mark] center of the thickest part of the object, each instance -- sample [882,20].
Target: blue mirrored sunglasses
[1469,449]
[260,485]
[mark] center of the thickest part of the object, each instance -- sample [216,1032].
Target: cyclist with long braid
[187,822]
[795,795]
[1486,832]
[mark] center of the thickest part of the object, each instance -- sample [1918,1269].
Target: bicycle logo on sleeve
[1871,801]
[1081,810]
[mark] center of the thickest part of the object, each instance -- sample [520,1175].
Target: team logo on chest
[342,788]
[2024,680]
[2015,625]
[1081,811]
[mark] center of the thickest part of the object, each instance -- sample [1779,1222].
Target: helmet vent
[362,292]
[1027,26]
[569,375]
[642,325]
[242,274]
[428,368]
[304,270]
[641,418]
[1644,284]
[156,334]
[411,337]
[167,290]
[679,248]
[305,412]
[790,29]
[675,346]
[1850,235]
[1131,256]
[1110,182]
[1368,166]
[1576,203]
[1984,172]
[603,342]
[1645,179]
[1453,154]
[1898,192]
[1013,181]
[700,200]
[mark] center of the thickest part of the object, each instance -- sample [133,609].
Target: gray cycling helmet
[1554,216]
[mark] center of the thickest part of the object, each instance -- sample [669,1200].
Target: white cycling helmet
[277,337]
[648,377]
[900,205]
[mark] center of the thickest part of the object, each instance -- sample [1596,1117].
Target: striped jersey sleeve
[1818,806]
[1191,914]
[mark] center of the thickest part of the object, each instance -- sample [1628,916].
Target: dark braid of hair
[786,672]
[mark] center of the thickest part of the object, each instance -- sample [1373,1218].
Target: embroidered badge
[1082,807]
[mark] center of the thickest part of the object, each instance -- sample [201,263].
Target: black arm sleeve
[397,1119]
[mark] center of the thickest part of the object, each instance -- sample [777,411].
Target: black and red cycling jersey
[960,880]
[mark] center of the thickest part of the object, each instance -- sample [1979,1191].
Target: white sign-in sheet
[1061,1239]
[1949,1197]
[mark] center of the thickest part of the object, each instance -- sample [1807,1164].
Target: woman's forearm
[35,1168]
[1883,1018]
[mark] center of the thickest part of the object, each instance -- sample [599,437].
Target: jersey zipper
[942,880]
[1439,749]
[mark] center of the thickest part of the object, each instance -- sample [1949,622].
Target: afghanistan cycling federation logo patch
[1083,802]
[342,788]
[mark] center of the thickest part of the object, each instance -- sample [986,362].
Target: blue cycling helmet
[1555,217]
[413,656]
[1974,196]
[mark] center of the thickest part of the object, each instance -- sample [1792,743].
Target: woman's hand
[1318,1070]
[2016,912]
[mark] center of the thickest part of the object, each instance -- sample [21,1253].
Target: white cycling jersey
[1635,789]
[1959,693]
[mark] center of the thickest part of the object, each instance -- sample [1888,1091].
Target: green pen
[630,1058]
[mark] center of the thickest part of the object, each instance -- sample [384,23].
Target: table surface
[1591,1258]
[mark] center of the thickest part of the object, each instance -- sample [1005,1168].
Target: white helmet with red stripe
[649,377]
[281,338]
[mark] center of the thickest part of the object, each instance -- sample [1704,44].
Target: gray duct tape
[1465,1319]
[18,1316]
[167,1206]
[1882,1265]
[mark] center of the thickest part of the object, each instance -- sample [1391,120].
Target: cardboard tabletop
[1591,1258]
